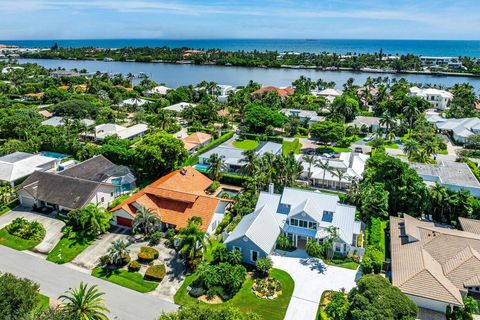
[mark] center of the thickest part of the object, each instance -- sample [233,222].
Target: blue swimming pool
[55,155]
[202,167]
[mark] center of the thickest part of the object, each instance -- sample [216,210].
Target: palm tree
[85,303]
[388,120]
[250,161]
[216,166]
[118,251]
[325,166]
[340,174]
[438,195]
[410,147]
[191,241]
[146,221]
[235,256]
[310,160]
[328,242]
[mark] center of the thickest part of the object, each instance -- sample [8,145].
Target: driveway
[53,226]
[312,277]
[89,258]
[54,280]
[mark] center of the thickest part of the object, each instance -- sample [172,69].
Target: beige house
[433,265]
[196,140]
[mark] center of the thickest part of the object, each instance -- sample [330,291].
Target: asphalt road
[54,280]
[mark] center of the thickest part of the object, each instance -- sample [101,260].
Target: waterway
[175,75]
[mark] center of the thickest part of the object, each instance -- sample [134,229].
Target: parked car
[368,138]
[358,149]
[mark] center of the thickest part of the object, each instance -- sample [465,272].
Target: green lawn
[69,247]
[347,264]
[245,300]
[321,314]
[387,145]
[245,144]
[9,206]
[125,278]
[42,304]
[15,242]
[332,149]
[289,146]
[443,151]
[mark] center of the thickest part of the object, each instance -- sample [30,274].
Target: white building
[441,61]
[179,107]
[224,91]
[109,129]
[304,115]
[160,90]
[460,129]
[350,164]
[329,93]
[61,121]
[135,102]
[439,99]
[19,165]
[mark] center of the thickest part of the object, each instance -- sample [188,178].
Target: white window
[253,255]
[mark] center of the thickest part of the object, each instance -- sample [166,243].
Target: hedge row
[156,273]
[261,137]
[194,158]
[9,206]
[375,249]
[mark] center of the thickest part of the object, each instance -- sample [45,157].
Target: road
[54,280]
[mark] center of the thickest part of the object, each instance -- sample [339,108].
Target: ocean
[454,48]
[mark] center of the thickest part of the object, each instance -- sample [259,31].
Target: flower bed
[267,288]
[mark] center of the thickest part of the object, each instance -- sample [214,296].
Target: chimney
[271,188]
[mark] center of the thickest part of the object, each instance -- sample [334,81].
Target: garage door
[124,222]
[27,202]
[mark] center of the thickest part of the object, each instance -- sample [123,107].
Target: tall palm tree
[191,241]
[328,242]
[310,160]
[438,195]
[410,147]
[146,221]
[250,161]
[340,174]
[118,251]
[216,167]
[325,166]
[85,303]
[388,120]
[294,170]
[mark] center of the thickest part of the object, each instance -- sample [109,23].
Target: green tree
[327,132]
[92,219]
[199,312]
[365,304]
[191,242]
[337,307]
[463,103]
[234,256]
[347,106]
[84,302]
[257,118]
[374,200]
[18,297]
[216,167]
[146,221]
[264,265]
[118,251]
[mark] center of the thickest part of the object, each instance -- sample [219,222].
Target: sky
[220,19]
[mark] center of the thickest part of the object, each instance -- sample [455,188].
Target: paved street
[311,277]
[54,280]
[53,227]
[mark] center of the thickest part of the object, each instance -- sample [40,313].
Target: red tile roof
[175,198]
[282,92]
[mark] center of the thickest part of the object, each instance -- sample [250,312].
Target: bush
[213,187]
[284,243]
[156,272]
[234,179]
[374,262]
[229,277]
[224,223]
[375,232]
[264,265]
[147,254]
[215,291]
[24,229]
[155,237]
[170,238]
[124,261]
[314,249]
[105,260]
[134,266]
[261,137]
[197,292]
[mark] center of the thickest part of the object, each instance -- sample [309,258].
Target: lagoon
[175,75]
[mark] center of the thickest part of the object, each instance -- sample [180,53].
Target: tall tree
[85,302]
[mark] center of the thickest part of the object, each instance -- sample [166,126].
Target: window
[111,194]
[237,248]
[102,199]
[303,223]
[294,222]
[312,225]
[253,255]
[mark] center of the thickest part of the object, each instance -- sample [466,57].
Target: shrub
[374,262]
[224,223]
[213,187]
[215,291]
[155,237]
[229,277]
[261,137]
[147,254]
[170,238]
[314,249]
[125,259]
[264,265]
[375,232]
[134,266]
[24,229]
[284,243]
[197,292]
[105,260]
[156,272]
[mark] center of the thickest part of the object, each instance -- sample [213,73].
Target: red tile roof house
[175,198]
[282,92]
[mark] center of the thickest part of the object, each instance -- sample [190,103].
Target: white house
[61,121]
[301,216]
[224,91]
[439,99]
[109,129]
[329,93]
[96,181]
[136,102]
[19,165]
[441,61]
[350,164]
[179,107]
[160,90]
[460,129]
[304,115]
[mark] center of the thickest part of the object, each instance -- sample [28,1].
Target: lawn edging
[17,243]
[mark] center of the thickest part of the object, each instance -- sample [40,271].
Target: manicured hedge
[155,272]
[147,254]
[233,179]
[261,137]
[134,266]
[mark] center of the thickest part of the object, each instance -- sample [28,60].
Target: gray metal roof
[15,157]
[447,172]
[269,147]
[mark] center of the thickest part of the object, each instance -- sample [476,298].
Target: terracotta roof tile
[282,92]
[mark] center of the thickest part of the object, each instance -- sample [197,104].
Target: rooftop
[18,165]
[281,91]
[447,172]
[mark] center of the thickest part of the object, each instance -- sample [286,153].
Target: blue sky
[195,19]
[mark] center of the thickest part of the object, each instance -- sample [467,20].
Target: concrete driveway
[89,258]
[53,226]
[312,277]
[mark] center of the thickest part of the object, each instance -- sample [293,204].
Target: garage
[27,201]
[124,222]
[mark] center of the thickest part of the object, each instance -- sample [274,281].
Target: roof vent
[183,171]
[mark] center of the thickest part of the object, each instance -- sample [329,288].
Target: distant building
[109,129]
[301,216]
[283,92]
[196,140]
[430,61]
[439,99]
[435,266]
[18,165]
[329,93]
[137,102]
[61,121]
[225,91]
[371,123]
[179,107]
[304,115]
[160,90]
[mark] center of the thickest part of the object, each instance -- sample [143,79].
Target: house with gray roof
[452,175]
[300,215]
[460,129]
[61,121]
[309,116]
[232,157]
[97,181]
